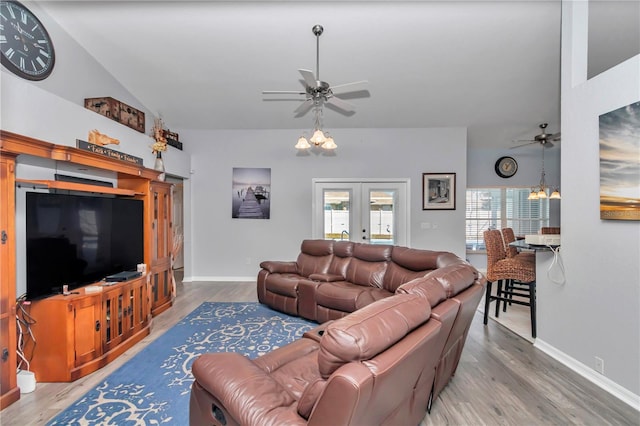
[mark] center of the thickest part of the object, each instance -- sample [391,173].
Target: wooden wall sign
[101,150]
[117,111]
[172,138]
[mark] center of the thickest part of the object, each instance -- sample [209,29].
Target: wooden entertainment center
[83,331]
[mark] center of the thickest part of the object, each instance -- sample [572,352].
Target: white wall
[233,248]
[596,313]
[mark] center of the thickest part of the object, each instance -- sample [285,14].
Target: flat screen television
[79,239]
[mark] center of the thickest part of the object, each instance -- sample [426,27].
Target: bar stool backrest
[509,237]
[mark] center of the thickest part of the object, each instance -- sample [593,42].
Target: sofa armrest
[307,298]
[247,393]
[317,332]
[326,278]
[271,361]
[276,267]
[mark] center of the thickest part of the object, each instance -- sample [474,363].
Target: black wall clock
[26,47]
[506,167]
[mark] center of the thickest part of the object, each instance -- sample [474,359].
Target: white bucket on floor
[26,381]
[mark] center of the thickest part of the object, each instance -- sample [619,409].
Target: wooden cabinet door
[86,330]
[137,310]
[9,391]
[161,222]
[161,246]
[113,317]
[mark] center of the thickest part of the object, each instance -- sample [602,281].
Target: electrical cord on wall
[556,269]
[24,321]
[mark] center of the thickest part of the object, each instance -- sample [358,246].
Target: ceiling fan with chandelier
[545,139]
[318,92]
[541,190]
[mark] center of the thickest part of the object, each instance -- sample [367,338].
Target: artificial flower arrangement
[160,144]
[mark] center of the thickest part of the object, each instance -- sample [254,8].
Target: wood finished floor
[501,380]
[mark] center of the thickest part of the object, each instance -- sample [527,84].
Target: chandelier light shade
[540,192]
[303,143]
[329,143]
[318,139]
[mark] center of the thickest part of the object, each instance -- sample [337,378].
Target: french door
[371,211]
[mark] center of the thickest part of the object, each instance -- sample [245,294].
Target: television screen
[77,240]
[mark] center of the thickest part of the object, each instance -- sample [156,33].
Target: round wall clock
[26,47]
[506,167]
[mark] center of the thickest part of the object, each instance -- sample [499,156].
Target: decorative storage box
[118,111]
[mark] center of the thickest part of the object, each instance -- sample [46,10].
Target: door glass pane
[381,216]
[337,207]
[107,316]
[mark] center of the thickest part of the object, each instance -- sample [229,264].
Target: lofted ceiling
[492,66]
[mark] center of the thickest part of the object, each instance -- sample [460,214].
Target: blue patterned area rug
[153,387]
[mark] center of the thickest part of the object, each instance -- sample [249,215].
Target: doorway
[374,211]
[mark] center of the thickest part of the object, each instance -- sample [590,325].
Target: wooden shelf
[72,186]
[19,144]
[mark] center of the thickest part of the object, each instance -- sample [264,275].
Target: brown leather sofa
[333,278]
[387,374]
[375,366]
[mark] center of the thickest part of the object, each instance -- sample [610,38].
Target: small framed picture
[438,191]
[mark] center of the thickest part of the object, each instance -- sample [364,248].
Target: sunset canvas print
[620,163]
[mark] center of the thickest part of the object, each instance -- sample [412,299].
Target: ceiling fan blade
[349,87]
[309,78]
[524,144]
[554,137]
[339,103]
[283,92]
[304,107]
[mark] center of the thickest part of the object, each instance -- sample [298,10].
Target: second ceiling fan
[545,139]
[320,92]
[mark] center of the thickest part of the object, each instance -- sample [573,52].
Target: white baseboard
[219,279]
[605,383]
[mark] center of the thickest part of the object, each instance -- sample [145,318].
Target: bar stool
[520,278]
[509,237]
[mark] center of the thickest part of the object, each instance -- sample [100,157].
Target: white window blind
[497,208]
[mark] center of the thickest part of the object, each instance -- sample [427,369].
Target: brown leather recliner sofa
[331,279]
[382,364]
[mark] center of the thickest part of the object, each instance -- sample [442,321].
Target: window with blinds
[497,208]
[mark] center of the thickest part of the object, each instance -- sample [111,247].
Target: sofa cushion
[283,284]
[396,275]
[309,397]
[241,387]
[314,257]
[455,278]
[342,254]
[429,287]
[346,297]
[343,248]
[317,247]
[370,330]
[372,252]
[415,259]
[368,264]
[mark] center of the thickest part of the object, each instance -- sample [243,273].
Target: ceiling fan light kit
[540,192]
[546,141]
[317,93]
